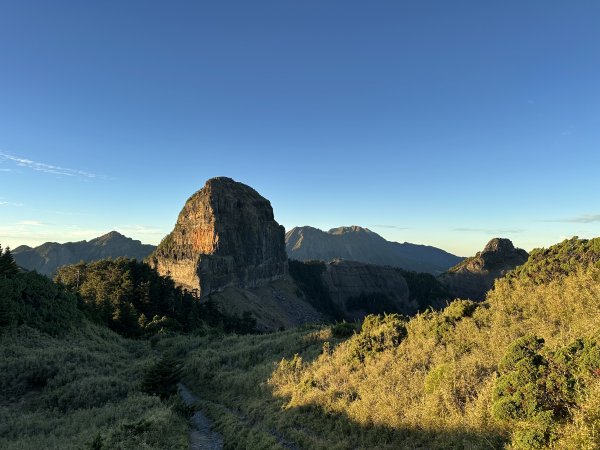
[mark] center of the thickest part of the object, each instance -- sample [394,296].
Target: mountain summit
[361,244]
[474,276]
[225,235]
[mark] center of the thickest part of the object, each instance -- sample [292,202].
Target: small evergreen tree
[8,266]
[162,377]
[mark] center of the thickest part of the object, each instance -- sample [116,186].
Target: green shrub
[343,329]
[378,333]
[460,309]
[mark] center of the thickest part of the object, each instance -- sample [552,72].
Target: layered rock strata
[225,235]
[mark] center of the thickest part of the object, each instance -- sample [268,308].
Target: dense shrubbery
[377,334]
[545,264]
[134,300]
[71,390]
[534,391]
[521,368]
[34,300]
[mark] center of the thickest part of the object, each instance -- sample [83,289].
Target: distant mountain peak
[356,243]
[110,235]
[349,229]
[498,245]
[474,276]
[48,257]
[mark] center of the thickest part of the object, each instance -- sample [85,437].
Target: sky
[432,122]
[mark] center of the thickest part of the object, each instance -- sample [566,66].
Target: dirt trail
[201,437]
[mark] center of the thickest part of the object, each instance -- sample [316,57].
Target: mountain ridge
[49,256]
[360,244]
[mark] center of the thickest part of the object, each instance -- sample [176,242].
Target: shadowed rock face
[225,235]
[350,279]
[473,277]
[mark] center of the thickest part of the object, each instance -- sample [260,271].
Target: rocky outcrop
[475,276]
[225,235]
[361,244]
[48,257]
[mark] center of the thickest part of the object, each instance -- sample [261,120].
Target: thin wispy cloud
[395,227]
[48,168]
[31,223]
[3,203]
[489,230]
[5,170]
[586,218]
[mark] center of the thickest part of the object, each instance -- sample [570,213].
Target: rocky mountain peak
[474,276]
[225,235]
[349,229]
[501,252]
[111,235]
[499,245]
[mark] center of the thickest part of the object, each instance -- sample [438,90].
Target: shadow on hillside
[313,427]
[316,429]
[234,397]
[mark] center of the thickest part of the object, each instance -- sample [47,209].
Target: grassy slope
[64,392]
[433,390]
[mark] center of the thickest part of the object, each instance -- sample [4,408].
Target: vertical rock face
[346,280]
[225,235]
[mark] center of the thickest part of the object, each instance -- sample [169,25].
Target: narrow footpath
[201,436]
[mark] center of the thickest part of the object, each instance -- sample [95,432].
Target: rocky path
[201,437]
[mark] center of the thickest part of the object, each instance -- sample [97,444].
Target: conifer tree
[8,266]
[162,377]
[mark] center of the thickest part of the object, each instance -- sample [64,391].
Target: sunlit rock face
[225,235]
[475,276]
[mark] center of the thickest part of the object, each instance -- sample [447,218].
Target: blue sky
[435,122]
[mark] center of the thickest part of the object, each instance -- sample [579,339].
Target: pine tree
[162,377]
[8,266]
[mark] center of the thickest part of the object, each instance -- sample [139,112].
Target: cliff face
[358,289]
[361,244]
[473,277]
[225,235]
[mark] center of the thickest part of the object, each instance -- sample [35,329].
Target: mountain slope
[363,245]
[520,370]
[48,257]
